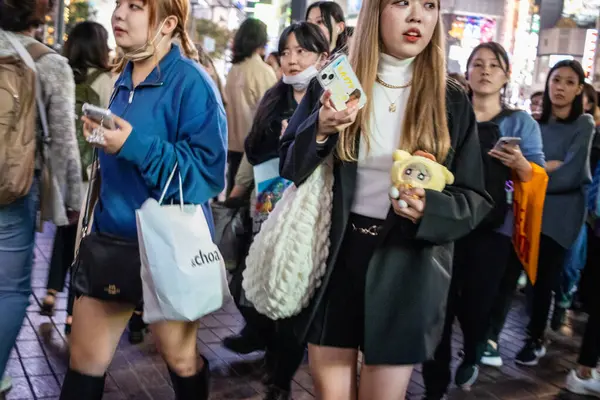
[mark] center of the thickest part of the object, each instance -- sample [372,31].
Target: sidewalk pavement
[39,360]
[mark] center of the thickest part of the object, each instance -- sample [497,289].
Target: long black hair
[22,15]
[251,36]
[263,138]
[329,10]
[576,106]
[87,47]
[503,60]
[592,96]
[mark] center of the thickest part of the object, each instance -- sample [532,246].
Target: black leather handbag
[106,267]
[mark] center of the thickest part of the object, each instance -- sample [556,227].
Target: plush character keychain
[419,170]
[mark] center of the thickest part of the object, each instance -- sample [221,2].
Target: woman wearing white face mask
[302,47]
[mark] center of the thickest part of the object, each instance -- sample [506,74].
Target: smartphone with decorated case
[338,77]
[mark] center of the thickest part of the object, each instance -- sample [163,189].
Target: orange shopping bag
[528,207]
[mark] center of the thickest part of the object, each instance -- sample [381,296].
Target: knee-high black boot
[78,386]
[195,387]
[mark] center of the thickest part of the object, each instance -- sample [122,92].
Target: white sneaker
[491,355]
[5,384]
[522,281]
[586,387]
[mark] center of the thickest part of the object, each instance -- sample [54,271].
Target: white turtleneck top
[371,198]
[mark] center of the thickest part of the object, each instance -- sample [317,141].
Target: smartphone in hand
[507,142]
[338,77]
[99,115]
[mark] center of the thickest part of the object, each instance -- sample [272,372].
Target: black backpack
[496,173]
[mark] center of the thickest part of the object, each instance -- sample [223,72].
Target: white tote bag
[183,273]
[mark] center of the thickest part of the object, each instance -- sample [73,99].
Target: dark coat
[409,274]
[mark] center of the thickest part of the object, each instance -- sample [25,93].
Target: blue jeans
[574,263]
[17,240]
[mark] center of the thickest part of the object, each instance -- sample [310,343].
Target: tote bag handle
[162,196]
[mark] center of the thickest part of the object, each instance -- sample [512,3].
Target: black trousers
[62,256]
[504,297]
[589,354]
[60,263]
[550,264]
[480,261]
[284,353]
[233,164]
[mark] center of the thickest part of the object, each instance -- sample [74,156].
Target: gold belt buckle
[371,231]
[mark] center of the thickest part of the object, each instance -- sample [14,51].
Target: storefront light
[589,52]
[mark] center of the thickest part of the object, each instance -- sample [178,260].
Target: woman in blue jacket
[167,112]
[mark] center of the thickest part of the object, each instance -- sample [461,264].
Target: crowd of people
[399,271]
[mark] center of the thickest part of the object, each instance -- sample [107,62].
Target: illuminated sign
[556,58]
[589,51]
[467,32]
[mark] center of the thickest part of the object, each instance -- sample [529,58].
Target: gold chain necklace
[387,85]
[392,107]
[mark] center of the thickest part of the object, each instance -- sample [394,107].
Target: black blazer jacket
[409,274]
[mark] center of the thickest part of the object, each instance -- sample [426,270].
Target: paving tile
[14,368]
[20,390]
[45,386]
[162,393]
[150,377]
[36,366]
[30,349]
[207,336]
[27,333]
[127,381]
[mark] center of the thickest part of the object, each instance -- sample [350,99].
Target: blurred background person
[273,61]
[329,16]
[536,104]
[248,80]
[87,51]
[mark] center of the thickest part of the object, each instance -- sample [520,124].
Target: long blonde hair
[158,10]
[425,125]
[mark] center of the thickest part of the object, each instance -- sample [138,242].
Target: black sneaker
[243,344]
[559,318]
[531,353]
[466,376]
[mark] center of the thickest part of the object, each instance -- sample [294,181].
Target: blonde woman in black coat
[384,291]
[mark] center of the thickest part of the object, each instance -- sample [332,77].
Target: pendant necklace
[392,107]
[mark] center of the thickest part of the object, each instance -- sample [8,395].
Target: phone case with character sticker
[339,78]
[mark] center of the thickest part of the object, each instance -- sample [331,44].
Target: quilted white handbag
[288,257]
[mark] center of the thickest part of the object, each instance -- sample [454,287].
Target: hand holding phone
[104,130]
[99,115]
[508,152]
[507,142]
[345,89]
[332,121]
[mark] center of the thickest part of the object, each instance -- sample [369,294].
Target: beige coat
[246,84]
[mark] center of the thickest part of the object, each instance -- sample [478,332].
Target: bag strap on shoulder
[91,78]
[28,59]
